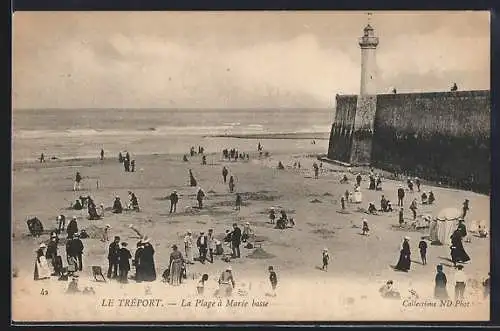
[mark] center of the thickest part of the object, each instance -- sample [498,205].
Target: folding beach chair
[97,271]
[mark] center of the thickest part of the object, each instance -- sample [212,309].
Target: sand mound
[211,191]
[260,253]
[260,196]
[325,233]
[315,201]
[327,194]
[95,232]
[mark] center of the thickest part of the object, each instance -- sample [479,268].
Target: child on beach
[326,258]
[422,246]
[365,228]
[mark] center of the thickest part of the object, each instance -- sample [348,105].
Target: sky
[237,59]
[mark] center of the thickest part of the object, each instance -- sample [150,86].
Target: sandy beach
[359,265]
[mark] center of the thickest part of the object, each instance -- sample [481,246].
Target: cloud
[123,68]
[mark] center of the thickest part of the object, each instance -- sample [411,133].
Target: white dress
[42,268]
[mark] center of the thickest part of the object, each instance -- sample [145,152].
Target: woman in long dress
[404,262]
[42,270]
[176,262]
[440,291]
[458,253]
[148,269]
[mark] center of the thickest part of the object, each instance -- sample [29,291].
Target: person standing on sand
[202,244]
[78,179]
[42,158]
[413,208]
[148,269]
[440,281]
[113,258]
[199,196]
[120,157]
[124,263]
[460,280]
[238,201]
[417,182]
[77,250]
[42,270]
[211,245]
[273,278]
[137,261]
[326,258]
[401,195]
[316,170]
[72,227]
[404,261]
[174,198]
[465,208]
[422,246]
[61,223]
[225,172]
[226,282]
[236,240]
[231,184]
[188,247]
[175,267]
[102,154]
[401,217]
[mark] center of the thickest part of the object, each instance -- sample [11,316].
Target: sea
[81,133]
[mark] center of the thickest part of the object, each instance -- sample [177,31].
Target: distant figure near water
[102,154]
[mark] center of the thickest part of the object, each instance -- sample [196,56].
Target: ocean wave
[164,131]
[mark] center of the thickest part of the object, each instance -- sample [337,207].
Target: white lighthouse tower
[368,44]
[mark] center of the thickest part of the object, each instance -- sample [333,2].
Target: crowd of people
[204,247]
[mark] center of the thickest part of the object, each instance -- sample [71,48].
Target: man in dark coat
[124,263]
[236,240]
[199,196]
[401,195]
[202,244]
[77,250]
[51,252]
[113,258]
[174,198]
[148,270]
[117,206]
[358,179]
[225,172]
[102,154]
[72,227]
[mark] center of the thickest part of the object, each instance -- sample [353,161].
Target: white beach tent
[443,225]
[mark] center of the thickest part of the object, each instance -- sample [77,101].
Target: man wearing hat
[77,250]
[226,281]
[202,244]
[236,240]
[401,195]
[124,257]
[113,258]
[51,252]
[174,198]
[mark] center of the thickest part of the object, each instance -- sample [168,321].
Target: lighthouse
[368,44]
